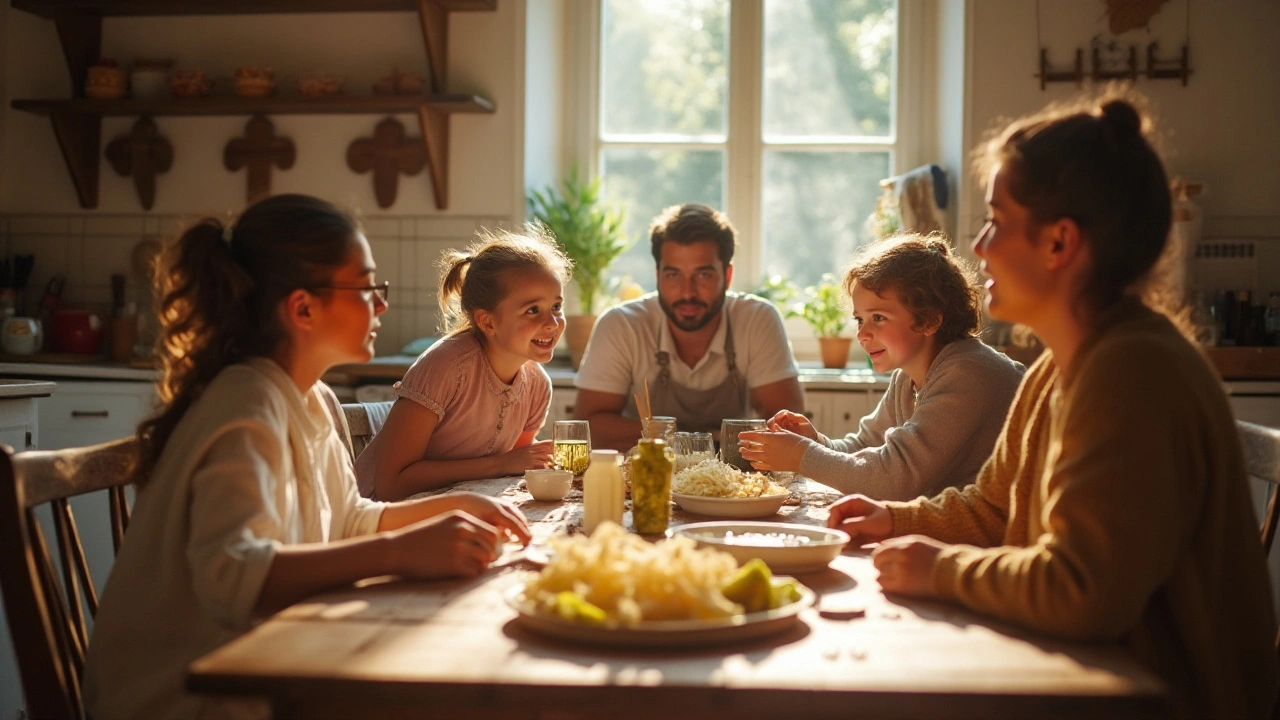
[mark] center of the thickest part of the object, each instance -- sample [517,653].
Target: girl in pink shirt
[471,405]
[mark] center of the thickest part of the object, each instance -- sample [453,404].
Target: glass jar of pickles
[651,465]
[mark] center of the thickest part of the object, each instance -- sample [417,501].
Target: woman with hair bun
[1115,505]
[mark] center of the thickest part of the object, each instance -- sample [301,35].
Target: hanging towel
[922,196]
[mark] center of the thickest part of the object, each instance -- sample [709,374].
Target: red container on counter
[76,331]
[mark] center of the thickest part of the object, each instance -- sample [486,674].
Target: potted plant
[820,306]
[591,234]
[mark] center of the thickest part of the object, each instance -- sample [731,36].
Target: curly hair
[217,293]
[477,278]
[931,282]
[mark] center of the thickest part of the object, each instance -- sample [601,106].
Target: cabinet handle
[808,415]
[29,443]
[568,409]
[846,417]
[90,413]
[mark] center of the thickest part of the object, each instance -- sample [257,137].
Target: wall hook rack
[1158,69]
[1075,75]
[1130,72]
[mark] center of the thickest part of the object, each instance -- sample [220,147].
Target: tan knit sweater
[1115,507]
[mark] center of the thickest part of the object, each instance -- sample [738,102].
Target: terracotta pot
[577,333]
[835,351]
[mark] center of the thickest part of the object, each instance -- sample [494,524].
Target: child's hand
[533,455]
[906,564]
[866,520]
[796,423]
[502,515]
[451,544]
[780,450]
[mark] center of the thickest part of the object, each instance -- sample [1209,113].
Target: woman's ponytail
[218,288]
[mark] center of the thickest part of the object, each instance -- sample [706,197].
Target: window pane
[816,206]
[645,181]
[664,66]
[829,67]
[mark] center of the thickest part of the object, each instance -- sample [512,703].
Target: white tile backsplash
[87,249]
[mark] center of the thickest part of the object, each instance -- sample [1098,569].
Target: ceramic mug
[20,335]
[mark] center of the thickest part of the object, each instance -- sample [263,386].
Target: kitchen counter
[391,368]
[87,371]
[10,389]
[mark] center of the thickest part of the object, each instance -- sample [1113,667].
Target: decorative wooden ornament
[388,154]
[258,150]
[143,153]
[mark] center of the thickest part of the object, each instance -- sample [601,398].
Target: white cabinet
[85,413]
[19,423]
[562,401]
[836,413]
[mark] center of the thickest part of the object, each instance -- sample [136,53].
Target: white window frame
[912,140]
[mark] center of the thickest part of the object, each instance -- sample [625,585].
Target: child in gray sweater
[917,312]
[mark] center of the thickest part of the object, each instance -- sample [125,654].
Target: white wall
[1221,129]
[38,208]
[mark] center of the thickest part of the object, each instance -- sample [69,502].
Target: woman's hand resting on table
[866,520]
[500,514]
[452,544]
[906,564]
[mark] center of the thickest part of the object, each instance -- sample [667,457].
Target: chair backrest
[46,614]
[1262,460]
[1261,446]
[364,420]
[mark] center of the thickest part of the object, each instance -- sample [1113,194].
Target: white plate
[823,546]
[756,507]
[673,633]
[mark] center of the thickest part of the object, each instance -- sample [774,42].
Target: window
[782,113]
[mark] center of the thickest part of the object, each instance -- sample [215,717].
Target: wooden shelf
[296,105]
[126,8]
[77,122]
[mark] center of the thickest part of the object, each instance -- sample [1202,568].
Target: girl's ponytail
[477,279]
[453,272]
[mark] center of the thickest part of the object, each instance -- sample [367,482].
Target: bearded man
[706,352]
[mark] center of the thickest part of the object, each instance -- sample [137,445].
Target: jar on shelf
[651,466]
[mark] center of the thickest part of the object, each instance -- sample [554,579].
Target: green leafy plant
[589,231]
[819,305]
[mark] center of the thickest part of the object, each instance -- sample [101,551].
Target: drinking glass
[729,451]
[692,448]
[660,426]
[571,445]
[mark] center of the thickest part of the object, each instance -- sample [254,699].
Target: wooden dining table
[454,649]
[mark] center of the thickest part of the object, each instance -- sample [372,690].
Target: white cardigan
[252,465]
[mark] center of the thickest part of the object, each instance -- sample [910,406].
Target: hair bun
[1122,117]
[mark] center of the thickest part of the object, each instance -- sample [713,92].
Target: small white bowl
[548,484]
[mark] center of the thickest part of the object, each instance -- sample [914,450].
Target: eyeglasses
[383,290]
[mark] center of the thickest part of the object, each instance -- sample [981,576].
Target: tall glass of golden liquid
[571,445]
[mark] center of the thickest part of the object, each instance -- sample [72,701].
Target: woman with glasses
[247,502]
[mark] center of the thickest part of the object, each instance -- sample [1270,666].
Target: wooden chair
[364,420]
[47,615]
[1262,461]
